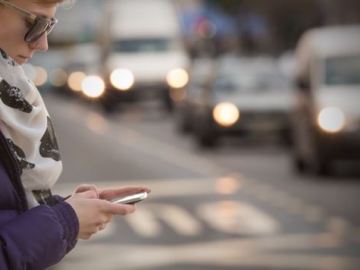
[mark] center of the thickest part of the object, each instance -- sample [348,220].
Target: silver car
[326,118]
[247,95]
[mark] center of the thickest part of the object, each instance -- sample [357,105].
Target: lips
[21,59]
[25,57]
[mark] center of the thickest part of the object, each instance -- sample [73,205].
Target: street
[238,206]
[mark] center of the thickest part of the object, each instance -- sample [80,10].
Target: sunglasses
[38,24]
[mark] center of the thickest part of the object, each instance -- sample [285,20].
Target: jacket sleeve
[37,238]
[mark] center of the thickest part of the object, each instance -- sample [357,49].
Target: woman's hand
[93,208]
[93,213]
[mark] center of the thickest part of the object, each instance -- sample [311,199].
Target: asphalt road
[239,206]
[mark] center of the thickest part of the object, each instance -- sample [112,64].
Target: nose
[41,44]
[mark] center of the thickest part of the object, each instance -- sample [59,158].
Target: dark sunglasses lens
[40,27]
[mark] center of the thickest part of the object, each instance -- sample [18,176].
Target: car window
[343,70]
[141,45]
[271,81]
[250,82]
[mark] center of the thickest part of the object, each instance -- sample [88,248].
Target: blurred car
[71,47]
[46,70]
[247,95]
[83,61]
[143,54]
[326,117]
[201,72]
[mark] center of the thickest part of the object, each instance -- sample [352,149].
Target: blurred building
[341,12]
[78,22]
[213,27]
[263,26]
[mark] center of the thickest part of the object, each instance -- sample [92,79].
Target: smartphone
[133,198]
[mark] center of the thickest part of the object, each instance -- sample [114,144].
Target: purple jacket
[31,239]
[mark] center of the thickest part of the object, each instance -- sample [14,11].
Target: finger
[102,227]
[108,219]
[86,187]
[94,229]
[108,194]
[104,220]
[117,209]
[90,194]
[85,236]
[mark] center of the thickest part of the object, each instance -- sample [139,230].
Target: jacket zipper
[14,171]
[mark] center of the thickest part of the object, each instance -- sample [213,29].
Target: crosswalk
[146,221]
[186,211]
[225,216]
[288,251]
[239,216]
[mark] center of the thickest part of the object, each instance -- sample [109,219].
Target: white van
[326,119]
[143,54]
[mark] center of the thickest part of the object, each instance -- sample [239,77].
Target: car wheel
[108,105]
[168,102]
[204,130]
[184,126]
[321,167]
[299,164]
[206,136]
[286,137]
[319,164]
[207,141]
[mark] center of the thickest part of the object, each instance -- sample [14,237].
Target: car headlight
[58,77]
[177,78]
[93,86]
[41,76]
[75,80]
[331,119]
[226,114]
[122,79]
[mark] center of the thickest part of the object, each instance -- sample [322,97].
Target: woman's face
[14,27]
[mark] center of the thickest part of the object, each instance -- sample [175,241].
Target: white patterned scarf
[27,127]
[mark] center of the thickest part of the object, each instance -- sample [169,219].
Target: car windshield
[250,82]
[343,70]
[142,45]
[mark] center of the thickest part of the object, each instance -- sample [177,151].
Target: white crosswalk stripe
[227,216]
[238,218]
[180,220]
[146,222]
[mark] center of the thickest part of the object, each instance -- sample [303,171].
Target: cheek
[12,40]
[12,28]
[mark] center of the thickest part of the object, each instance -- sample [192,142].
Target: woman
[37,229]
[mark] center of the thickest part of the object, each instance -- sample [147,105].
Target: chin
[20,60]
